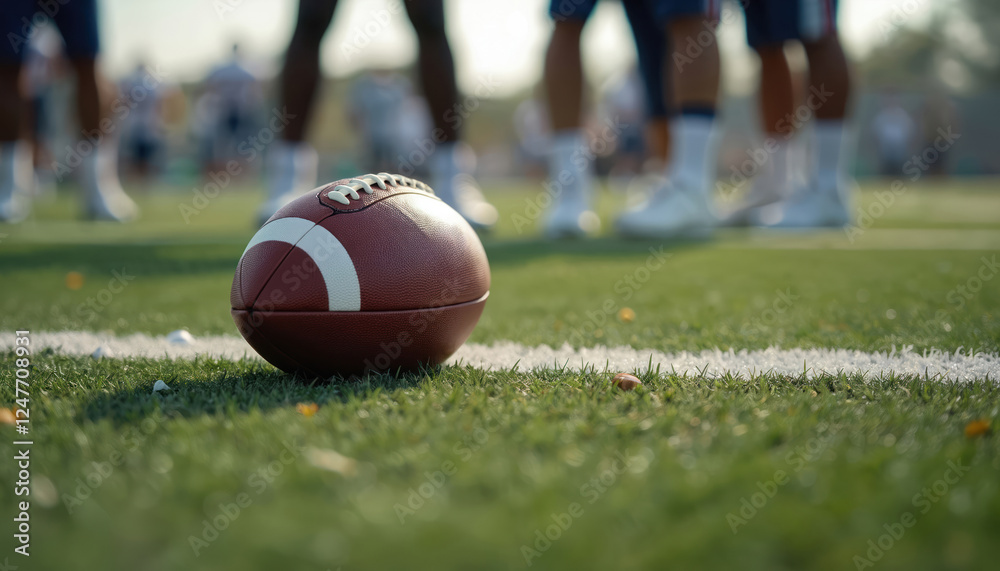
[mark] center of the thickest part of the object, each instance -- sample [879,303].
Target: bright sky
[501,42]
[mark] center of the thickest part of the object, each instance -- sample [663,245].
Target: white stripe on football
[329,255]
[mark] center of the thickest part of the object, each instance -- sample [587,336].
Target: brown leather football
[373,273]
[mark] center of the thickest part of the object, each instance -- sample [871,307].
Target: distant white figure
[41,70]
[142,129]
[531,123]
[415,123]
[894,130]
[376,111]
[233,101]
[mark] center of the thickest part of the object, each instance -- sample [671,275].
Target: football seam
[483,297]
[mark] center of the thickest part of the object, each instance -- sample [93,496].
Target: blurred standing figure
[233,99]
[894,130]
[819,194]
[681,204]
[531,123]
[377,108]
[142,135]
[414,124]
[570,159]
[41,68]
[292,161]
[76,21]
[936,114]
[625,103]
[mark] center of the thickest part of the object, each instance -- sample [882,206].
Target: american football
[523,285]
[361,274]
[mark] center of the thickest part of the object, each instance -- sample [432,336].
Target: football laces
[343,193]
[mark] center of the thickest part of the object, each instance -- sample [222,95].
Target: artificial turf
[661,477]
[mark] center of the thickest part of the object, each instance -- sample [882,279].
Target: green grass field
[463,468]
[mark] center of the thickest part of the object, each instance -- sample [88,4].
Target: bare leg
[658,139]
[564,76]
[696,89]
[291,162]
[449,172]
[570,183]
[436,65]
[829,88]
[828,71]
[776,93]
[825,200]
[103,194]
[301,73]
[696,84]
[683,206]
[94,94]
[11,102]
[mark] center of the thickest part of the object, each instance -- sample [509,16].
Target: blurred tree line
[958,47]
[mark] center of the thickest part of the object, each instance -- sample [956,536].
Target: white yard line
[939,365]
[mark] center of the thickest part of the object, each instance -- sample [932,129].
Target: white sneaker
[754,210]
[570,217]
[109,202]
[669,213]
[814,208]
[463,194]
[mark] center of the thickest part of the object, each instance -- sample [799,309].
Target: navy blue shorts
[773,22]
[661,10]
[76,21]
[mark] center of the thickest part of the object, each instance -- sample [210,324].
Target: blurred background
[919,64]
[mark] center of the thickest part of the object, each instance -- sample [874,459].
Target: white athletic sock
[780,167]
[779,176]
[569,165]
[827,153]
[693,153]
[291,168]
[772,175]
[102,190]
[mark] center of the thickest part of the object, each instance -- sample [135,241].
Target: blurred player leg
[15,151]
[37,82]
[828,70]
[649,41]
[451,162]
[682,207]
[570,169]
[103,196]
[824,200]
[769,25]
[292,162]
